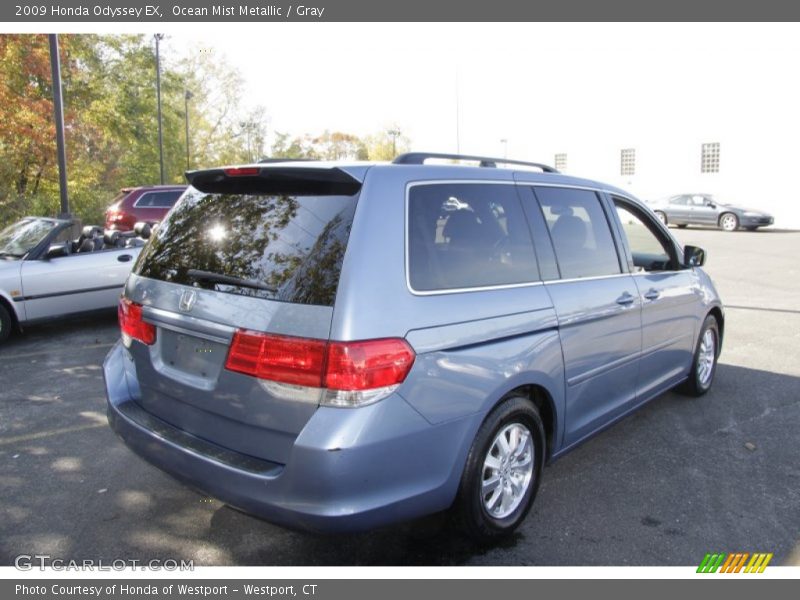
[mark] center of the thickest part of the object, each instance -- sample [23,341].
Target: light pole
[58,110]
[158,37]
[187,95]
[394,134]
[504,141]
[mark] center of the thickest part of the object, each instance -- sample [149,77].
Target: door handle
[652,294]
[124,257]
[626,299]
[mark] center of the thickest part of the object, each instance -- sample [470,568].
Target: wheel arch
[542,399]
[716,312]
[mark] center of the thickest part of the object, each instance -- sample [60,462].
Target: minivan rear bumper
[348,470]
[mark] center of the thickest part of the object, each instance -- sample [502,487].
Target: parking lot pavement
[680,478]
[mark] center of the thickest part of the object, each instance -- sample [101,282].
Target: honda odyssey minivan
[340,346]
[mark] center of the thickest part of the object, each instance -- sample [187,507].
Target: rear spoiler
[273,179]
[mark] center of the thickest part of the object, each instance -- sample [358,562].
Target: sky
[535,85]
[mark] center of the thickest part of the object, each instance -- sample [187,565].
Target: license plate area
[187,356]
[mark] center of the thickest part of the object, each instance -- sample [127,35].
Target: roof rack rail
[419,158]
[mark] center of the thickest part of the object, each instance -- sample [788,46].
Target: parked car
[44,273]
[336,347]
[146,204]
[704,209]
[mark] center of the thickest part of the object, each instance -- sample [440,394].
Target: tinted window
[468,235]
[293,243]
[580,232]
[157,199]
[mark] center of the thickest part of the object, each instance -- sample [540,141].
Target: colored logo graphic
[735,562]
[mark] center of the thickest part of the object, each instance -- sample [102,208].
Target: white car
[44,273]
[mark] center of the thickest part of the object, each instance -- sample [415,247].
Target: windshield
[280,247]
[20,238]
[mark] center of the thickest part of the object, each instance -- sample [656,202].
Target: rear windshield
[293,244]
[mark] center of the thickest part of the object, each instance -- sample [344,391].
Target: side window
[681,200]
[580,232]
[464,235]
[649,249]
[158,199]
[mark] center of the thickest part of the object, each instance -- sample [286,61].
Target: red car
[149,203]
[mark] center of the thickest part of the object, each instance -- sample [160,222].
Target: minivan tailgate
[183,379]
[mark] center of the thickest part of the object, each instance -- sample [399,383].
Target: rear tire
[704,362]
[6,323]
[662,216]
[728,222]
[503,471]
[683,226]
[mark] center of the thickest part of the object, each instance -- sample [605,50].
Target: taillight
[132,325]
[352,373]
[296,361]
[367,365]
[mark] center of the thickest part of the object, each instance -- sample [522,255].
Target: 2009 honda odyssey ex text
[341,346]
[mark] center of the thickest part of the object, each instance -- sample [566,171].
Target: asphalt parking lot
[680,478]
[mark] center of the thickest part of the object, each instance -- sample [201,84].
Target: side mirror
[143,230]
[56,250]
[694,256]
[712,205]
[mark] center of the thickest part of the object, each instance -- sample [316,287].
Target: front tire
[704,362]
[729,222]
[503,471]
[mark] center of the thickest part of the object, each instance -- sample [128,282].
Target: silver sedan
[703,209]
[46,273]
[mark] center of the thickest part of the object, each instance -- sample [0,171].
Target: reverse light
[343,374]
[132,325]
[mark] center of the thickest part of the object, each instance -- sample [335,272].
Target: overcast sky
[535,85]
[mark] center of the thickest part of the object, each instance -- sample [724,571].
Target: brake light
[241,171]
[354,366]
[296,361]
[132,325]
[352,373]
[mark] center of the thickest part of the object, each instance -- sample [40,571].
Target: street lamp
[394,134]
[158,37]
[187,95]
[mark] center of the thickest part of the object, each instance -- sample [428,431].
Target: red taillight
[131,323]
[345,366]
[297,361]
[356,366]
[241,171]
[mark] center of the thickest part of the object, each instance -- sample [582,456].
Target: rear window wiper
[227,279]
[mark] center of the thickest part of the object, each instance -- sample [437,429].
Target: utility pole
[159,37]
[58,110]
[394,134]
[187,95]
[504,141]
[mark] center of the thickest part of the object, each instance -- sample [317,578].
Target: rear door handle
[652,294]
[626,299]
[124,257]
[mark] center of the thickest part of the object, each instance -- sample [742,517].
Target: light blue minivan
[337,347]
